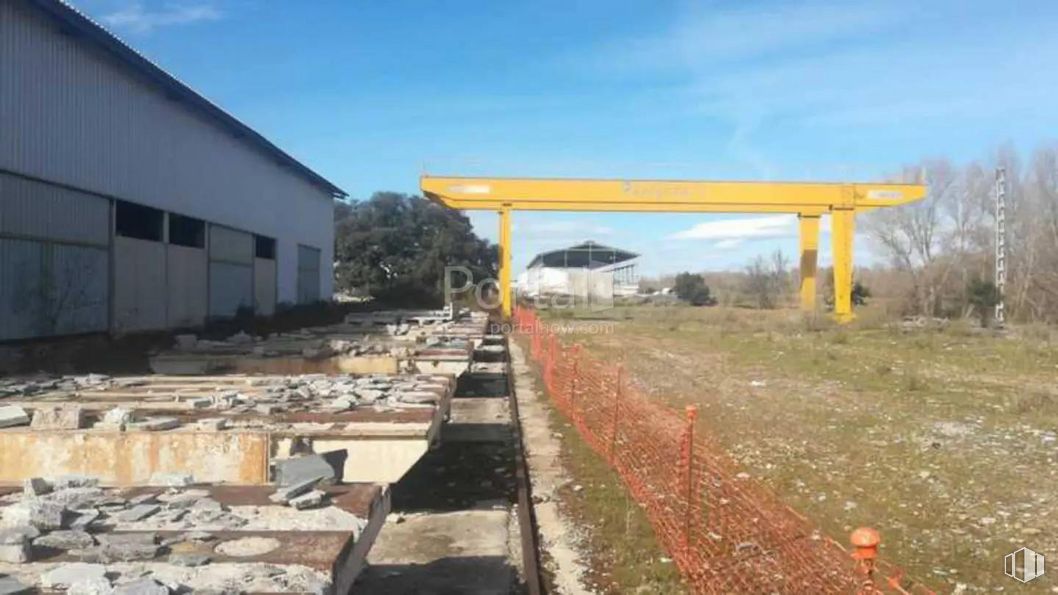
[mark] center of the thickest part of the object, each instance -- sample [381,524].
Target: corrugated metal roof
[588,255]
[77,23]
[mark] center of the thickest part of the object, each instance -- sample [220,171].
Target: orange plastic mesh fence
[724,530]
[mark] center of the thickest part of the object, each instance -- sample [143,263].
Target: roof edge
[93,32]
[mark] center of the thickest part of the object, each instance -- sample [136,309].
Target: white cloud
[138,19]
[727,230]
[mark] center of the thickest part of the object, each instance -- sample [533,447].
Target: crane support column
[843,227]
[809,251]
[505,261]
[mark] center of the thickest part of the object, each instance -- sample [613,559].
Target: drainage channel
[462,516]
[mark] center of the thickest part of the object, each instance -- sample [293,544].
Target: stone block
[12,415]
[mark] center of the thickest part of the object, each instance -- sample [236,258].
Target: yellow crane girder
[809,200]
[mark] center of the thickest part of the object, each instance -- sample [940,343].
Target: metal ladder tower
[1001,244]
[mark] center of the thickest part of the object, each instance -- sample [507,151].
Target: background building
[129,202]
[587,272]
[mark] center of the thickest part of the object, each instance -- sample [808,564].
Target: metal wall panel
[264,286]
[308,275]
[73,115]
[186,286]
[230,245]
[51,289]
[230,288]
[139,285]
[36,210]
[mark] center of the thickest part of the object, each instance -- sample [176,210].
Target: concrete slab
[465,551]
[253,546]
[218,429]
[365,344]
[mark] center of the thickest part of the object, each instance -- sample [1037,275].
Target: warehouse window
[137,221]
[264,247]
[187,231]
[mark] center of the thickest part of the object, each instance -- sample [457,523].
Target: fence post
[688,466]
[866,541]
[616,415]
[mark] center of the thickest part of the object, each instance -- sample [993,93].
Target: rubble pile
[68,533]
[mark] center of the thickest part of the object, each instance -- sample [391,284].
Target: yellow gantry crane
[808,200]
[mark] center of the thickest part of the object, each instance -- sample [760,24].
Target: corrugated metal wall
[231,284]
[308,275]
[264,286]
[34,209]
[53,260]
[186,286]
[140,298]
[73,115]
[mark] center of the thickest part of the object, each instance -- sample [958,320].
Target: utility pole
[1001,244]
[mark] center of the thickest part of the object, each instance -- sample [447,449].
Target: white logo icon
[1023,565]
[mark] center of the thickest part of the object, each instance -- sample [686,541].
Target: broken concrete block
[84,519]
[199,403]
[64,482]
[146,498]
[9,585]
[35,486]
[65,540]
[66,575]
[45,516]
[175,480]
[288,493]
[340,404]
[92,586]
[212,424]
[190,560]
[138,513]
[14,548]
[301,469]
[267,409]
[309,500]
[59,418]
[116,418]
[127,547]
[12,415]
[155,424]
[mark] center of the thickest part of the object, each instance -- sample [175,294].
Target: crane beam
[664,196]
[809,200]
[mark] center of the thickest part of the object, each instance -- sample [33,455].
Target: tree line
[941,249]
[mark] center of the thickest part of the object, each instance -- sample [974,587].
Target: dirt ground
[942,437]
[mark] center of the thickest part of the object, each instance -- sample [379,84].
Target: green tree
[691,288]
[395,247]
[983,296]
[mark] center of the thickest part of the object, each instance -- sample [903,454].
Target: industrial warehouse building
[129,202]
[589,273]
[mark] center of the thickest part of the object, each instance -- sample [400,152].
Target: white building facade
[128,202]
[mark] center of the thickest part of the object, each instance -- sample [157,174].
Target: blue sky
[371,94]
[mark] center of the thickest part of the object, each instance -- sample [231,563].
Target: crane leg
[505,261]
[809,249]
[844,223]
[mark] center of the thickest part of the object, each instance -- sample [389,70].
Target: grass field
[945,439]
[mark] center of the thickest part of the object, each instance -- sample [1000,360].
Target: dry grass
[944,439]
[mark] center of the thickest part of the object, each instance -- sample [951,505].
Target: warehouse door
[308,274]
[139,268]
[230,271]
[54,246]
[264,275]
[187,265]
